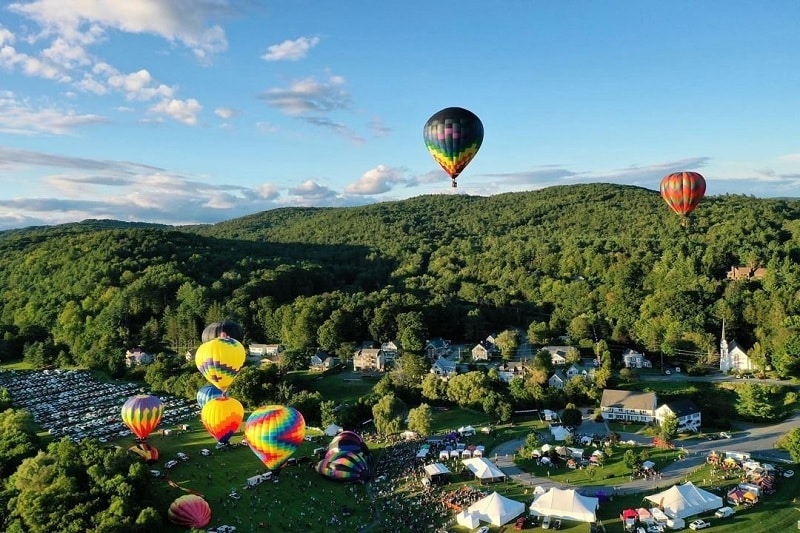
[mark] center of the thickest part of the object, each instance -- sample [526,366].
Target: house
[322,361]
[634,359]
[369,359]
[732,358]
[558,354]
[390,351]
[484,351]
[628,406]
[511,369]
[444,368]
[264,353]
[435,348]
[688,414]
[746,273]
[137,356]
[558,380]
[579,370]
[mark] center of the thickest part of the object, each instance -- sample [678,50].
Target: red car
[520,523]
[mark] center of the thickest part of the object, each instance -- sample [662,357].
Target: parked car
[724,512]
[482,529]
[546,522]
[699,524]
[724,435]
[557,524]
[788,473]
[668,372]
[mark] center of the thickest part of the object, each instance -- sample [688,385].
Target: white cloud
[20,117]
[791,158]
[309,96]
[184,111]
[378,180]
[226,113]
[139,86]
[184,21]
[268,191]
[290,50]
[311,191]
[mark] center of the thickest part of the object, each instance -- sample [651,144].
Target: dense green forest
[593,262]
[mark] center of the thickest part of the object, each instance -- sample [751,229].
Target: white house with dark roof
[558,380]
[732,358]
[511,369]
[484,351]
[438,347]
[444,368]
[633,359]
[558,354]
[628,406]
[322,361]
[688,414]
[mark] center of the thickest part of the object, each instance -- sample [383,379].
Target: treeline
[588,261]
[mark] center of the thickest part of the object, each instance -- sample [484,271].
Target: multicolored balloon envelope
[190,511]
[226,328]
[453,136]
[222,417]
[349,441]
[142,413]
[219,360]
[145,451]
[683,191]
[206,393]
[344,466]
[274,432]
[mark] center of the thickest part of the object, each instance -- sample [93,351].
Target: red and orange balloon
[683,191]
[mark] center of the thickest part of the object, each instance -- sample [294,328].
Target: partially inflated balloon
[274,432]
[344,466]
[222,417]
[453,136]
[683,191]
[190,511]
[224,328]
[146,452]
[219,360]
[349,441]
[206,393]
[142,413]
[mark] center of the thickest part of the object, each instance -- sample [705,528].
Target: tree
[668,428]
[468,390]
[411,331]
[389,414]
[542,360]
[434,388]
[571,416]
[631,460]
[327,411]
[409,370]
[761,402]
[508,342]
[791,443]
[420,419]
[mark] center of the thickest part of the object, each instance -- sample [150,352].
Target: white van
[171,464]
[724,512]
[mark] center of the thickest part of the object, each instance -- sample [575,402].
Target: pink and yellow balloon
[222,417]
[274,432]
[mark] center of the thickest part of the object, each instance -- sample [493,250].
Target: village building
[633,359]
[746,273]
[322,361]
[390,351]
[137,356]
[732,358]
[558,380]
[628,406]
[444,368]
[511,369]
[688,414]
[369,359]
[558,354]
[435,348]
[485,351]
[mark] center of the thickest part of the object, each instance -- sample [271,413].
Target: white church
[732,357]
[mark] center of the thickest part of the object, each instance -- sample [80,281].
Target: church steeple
[724,363]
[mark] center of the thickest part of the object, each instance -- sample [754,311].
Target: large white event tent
[496,509]
[567,504]
[484,470]
[681,501]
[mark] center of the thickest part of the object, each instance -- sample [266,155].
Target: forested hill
[590,261]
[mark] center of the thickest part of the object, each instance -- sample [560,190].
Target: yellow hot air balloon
[219,360]
[222,417]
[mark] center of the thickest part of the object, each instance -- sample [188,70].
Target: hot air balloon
[683,191]
[219,360]
[344,466]
[453,136]
[222,417]
[190,511]
[206,393]
[349,441]
[274,432]
[145,451]
[226,328]
[142,413]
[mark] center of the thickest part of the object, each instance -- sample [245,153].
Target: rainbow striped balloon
[142,413]
[219,360]
[274,432]
[222,417]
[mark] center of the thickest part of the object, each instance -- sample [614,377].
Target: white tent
[559,432]
[567,504]
[466,430]
[680,501]
[497,509]
[467,519]
[484,470]
[332,430]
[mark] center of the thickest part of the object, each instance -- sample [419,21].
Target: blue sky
[196,111]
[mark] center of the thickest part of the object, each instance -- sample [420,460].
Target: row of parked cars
[74,404]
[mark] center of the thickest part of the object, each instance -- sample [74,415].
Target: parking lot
[72,403]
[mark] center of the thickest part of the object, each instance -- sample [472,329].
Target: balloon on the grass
[142,413]
[206,393]
[147,452]
[344,466]
[219,360]
[190,511]
[274,432]
[222,417]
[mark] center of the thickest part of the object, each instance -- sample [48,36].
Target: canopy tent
[437,472]
[567,504]
[680,501]
[484,470]
[496,509]
[332,430]
[466,430]
[467,519]
[648,465]
[559,432]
